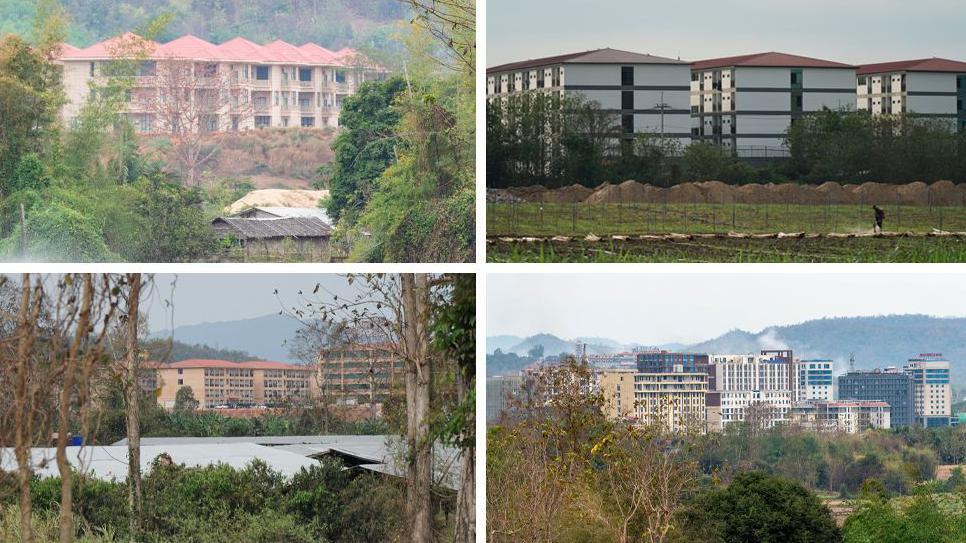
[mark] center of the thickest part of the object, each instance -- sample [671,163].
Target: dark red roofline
[934,64]
[770,59]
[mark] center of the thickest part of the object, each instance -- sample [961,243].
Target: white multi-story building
[747,103]
[850,416]
[648,93]
[931,391]
[238,84]
[766,381]
[929,87]
[814,380]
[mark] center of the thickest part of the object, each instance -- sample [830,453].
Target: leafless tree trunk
[131,393]
[23,408]
[66,393]
[415,298]
[466,497]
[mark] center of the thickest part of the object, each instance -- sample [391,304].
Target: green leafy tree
[760,507]
[366,145]
[175,227]
[184,400]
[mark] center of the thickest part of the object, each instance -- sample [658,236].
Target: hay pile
[278,198]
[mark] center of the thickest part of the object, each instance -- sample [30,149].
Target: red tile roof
[237,49]
[919,65]
[189,47]
[770,59]
[242,49]
[253,365]
[286,52]
[317,52]
[109,47]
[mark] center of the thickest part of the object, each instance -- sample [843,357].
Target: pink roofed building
[256,86]
[926,87]
[217,383]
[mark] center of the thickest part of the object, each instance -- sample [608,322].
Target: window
[340,76]
[276,98]
[627,124]
[627,100]
[305,74]
[180,381]
[796,78]
[245,71]
[695,76]
[92,69]
[180,371]
[627,75]
[261,73]
[148,69]
[262,121]
[308,122]
[862,81]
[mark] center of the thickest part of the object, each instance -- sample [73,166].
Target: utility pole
[661,106]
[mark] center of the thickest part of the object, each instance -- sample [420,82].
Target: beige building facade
[216,383]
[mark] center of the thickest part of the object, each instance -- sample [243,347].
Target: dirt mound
[946,193]
[685,193]
[716,192]
[755,193]
[278,198]
[566,195]
[831,192]
[915,194]
[633,191]
[605,194]
[870,193]
[532,193]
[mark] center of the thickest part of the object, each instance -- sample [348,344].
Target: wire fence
[553,218]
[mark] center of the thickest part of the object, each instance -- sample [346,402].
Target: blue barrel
[76,441]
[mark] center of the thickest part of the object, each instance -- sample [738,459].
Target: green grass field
[548,219]
[910,249]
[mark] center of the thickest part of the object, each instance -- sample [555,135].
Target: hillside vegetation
[330,23]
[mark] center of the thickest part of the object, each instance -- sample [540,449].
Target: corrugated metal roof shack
[302,238]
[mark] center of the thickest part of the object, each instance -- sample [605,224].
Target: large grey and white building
[649,93]
[747,103]
[929,87]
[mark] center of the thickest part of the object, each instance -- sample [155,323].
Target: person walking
[879,217]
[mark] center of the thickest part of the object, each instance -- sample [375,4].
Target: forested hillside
[330,23]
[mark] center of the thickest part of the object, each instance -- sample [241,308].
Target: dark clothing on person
[879,217]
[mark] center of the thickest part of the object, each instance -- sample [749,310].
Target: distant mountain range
[875,341]
[265,337]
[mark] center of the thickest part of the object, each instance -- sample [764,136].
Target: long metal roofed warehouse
[286,454]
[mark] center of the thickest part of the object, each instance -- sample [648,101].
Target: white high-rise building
[932,393]
[814,380]
[765,381]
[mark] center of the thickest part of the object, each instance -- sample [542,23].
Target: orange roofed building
[273,85]
[217,383]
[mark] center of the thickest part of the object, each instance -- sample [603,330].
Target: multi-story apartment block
[674,399]
[356,374]
[929,87]
[648,93]
[500,391]
[850,416]
[932,393]
[814,380]
[888,385]
[747,103]
[239,384]
[236,85]
[765,381]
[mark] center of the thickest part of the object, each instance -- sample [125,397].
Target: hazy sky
[223,297]
[851,31]
[656,308]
